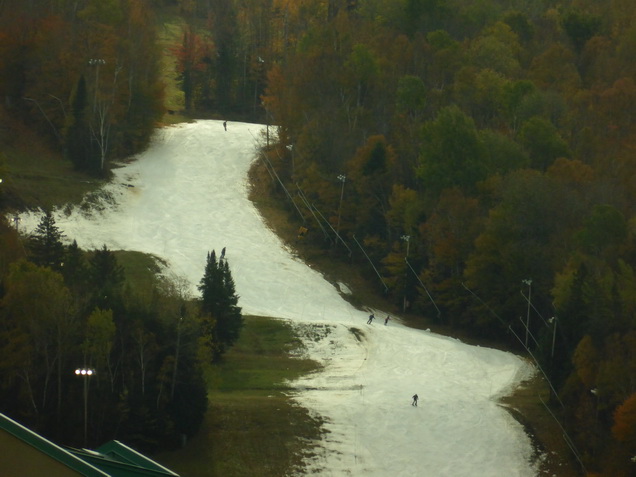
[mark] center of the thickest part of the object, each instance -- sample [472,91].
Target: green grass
[34,176]
[169,31]
[140,269]
[252,426]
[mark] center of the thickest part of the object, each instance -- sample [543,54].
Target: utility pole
[529,283]
[85,373]
[407,239]
[342,178]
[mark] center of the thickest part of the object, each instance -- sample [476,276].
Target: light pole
[96,62]
[85,373]
[553,320]
[342,178]
[290,148]
[407,239]
[528,282]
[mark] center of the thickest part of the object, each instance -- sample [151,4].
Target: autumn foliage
[491,145]
[479,155]
[83,74]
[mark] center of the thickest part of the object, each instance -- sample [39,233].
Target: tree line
[148,343]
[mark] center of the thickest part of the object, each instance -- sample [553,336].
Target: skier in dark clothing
[370,320]
[415,398]
[386,320]
[225,125]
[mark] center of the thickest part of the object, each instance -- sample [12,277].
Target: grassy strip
[552,452]
[252,427]
[34,176]
[140,269]
[170,27]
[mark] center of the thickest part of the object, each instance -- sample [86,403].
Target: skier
[370,320]
[225,125]
[415,398]
[386,320]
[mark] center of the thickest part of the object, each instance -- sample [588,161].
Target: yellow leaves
[294,8]
[35,295]
[100,335]
[563,283]
[585,359]
[404,209]
[556,69]
[571,171]
[607,371]
[276,85]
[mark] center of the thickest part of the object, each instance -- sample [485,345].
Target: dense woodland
[477,153]
[147,342]
[481,154]
[83,74]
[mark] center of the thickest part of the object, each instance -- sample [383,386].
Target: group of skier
[372,317]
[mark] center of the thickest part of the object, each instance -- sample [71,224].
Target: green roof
[49,448]
[119,460]
[112,459]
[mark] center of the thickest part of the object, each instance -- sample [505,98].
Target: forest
[147,342]
[475,155]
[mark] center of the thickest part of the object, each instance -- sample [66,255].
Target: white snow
[187,195]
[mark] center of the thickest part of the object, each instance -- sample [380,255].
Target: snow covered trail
[187,195]
[457,428]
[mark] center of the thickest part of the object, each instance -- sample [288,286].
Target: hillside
[473,159]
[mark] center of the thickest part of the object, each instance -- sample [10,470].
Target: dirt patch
[528,406]
[358,333]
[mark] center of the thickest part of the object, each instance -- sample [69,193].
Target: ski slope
[187,195]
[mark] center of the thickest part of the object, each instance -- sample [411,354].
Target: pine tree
[229,328]
[106,276]
[219,301]
[47,249]
[79,148]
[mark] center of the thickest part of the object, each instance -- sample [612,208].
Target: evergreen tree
[229,327]
[47,249]
[219,301]
[78,147]
[75,270]
[106,278]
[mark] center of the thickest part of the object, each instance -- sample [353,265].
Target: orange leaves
[624,429]
[451,230]
[571,171]
[374,157]
[192,51]
[586,362]
[617,104]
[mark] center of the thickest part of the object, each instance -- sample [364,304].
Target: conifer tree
[219,301]
[46,244]
[106,276]
[78,148]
